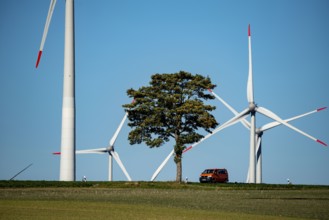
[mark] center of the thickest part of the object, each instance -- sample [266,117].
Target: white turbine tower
[111,152]
[67,164]
[259,134]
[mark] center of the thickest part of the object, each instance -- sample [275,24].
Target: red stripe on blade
[320,109]
[38,60]
[187,149]
[321,142]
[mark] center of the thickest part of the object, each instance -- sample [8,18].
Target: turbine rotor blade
[233,120]
[21,171]
[275,123]
[270,114]
[258,145]
[113,139]
[244,121]
[92,151]
[223,102]
[229,123]
[45,31]
[119,162]
[250,89]
[247,179]
[156,173]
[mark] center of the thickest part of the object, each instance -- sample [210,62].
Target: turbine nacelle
[259,132]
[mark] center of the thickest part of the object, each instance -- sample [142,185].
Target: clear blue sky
[120,44]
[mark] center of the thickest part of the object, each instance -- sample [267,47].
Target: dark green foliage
[172,106]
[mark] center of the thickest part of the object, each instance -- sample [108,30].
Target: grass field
[163,200]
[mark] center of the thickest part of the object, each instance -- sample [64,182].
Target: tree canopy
[172,106]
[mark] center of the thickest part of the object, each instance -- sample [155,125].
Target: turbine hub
[110,148]
[252,106]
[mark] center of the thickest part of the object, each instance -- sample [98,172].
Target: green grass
[153,185]
[160,200]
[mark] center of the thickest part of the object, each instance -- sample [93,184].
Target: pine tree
[171,107]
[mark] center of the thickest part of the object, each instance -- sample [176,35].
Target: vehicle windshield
[208,171]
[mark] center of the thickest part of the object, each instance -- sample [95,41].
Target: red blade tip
[320,109]
[187,149]
[249,30]
[210,90]
[321,142]
[39,57]
[57,153]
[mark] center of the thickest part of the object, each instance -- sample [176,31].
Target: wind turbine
[259,133]
[67,164]
[111,152]
[250,110]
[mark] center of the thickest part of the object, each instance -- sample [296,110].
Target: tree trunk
[179,171]
[178,158]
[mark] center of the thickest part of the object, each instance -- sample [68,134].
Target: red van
[215,175]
